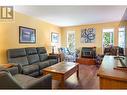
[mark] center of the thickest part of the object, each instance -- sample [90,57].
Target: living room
[52,27]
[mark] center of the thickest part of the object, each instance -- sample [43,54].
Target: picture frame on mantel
[27,35]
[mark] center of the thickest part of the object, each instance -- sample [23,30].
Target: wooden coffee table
[62,70]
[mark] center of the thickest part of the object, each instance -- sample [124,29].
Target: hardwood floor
[88,79]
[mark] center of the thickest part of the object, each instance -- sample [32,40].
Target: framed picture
[88,35]
[27,35]
[54,37]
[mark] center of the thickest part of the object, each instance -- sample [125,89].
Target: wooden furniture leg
[78,72]
[62,83]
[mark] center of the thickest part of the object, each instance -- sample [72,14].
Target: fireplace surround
[88,52]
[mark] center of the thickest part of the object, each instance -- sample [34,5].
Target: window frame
[124,36]
[69,32]
[109,30]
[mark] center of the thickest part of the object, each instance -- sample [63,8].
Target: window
[121,37]
[71,40]
[108,37]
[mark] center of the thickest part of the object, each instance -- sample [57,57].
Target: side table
[5,66]
[56,54]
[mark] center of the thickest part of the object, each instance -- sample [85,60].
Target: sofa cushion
[35,74]
[43,57]
[43,64]
[52,61]
[30,69]
[33,58]
[17,56]
[19,60]
[41,50]
[30,51]
[24,80]
[42,53]
[13,53]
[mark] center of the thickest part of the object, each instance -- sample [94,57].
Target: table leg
[62,83]
[78,72]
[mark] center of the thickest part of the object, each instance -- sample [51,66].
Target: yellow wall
[9,34]
[98,42]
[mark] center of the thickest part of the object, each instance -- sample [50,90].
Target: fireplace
[88,52]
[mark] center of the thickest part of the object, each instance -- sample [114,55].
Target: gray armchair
[13,80]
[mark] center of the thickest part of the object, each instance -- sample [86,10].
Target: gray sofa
[31,61]
[11,79]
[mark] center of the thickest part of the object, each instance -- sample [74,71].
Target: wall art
[88,35]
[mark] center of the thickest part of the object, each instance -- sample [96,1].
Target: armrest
[52,57]
[13,70]
[7,81]
[17,65]
[44,82]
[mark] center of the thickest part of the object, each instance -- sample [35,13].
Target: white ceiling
[74,15]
